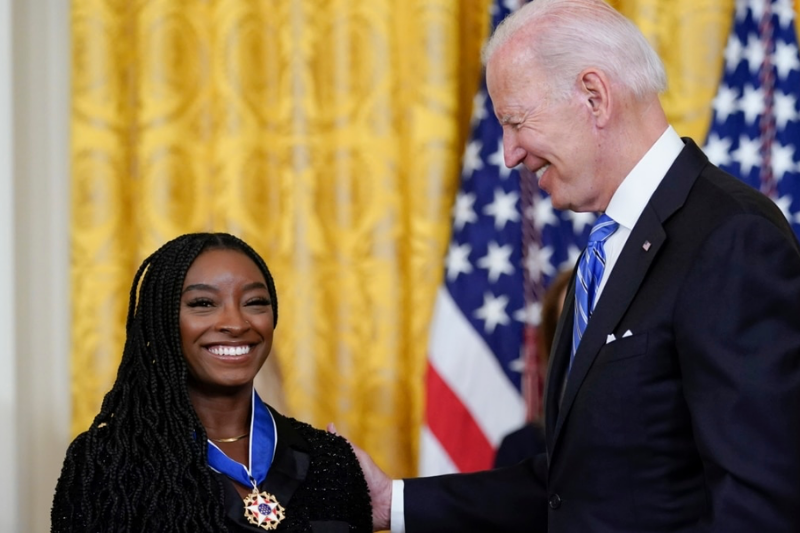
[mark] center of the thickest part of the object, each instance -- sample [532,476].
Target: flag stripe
[451,424]
[433,457]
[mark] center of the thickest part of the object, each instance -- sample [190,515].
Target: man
[679,410]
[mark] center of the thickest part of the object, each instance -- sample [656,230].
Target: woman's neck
[224,415]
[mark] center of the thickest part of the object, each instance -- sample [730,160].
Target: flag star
[530,314]
[754,53]
[457,260]
[503,208]
[573,254]
[517,365]
[782,160]
[741,9]
[479,107]
[784,203]
[757,9]
[497,260]
[752,103]
[541,213]
[725,103]
[472,158]
[733,50]
[785,108]
[785,12]
[785,58]
[797,218]
[538,261]
[748,155]
[511,5]
[718,150]
[463,211]
[497,159]
[493,311]
[580,220]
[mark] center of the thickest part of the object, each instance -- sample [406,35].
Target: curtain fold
[690,37]
[327,134]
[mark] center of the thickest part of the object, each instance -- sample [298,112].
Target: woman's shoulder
[66,512]
[317,442]
[334,487]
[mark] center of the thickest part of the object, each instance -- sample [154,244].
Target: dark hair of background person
[143,462]
[528,440]
[552,303]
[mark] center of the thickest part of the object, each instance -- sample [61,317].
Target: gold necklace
[232,439]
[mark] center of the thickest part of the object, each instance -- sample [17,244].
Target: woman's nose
[233,321]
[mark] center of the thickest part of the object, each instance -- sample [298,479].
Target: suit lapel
[559,360]
[621,288]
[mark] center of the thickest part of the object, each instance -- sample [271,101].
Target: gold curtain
[690,36]
[327,133]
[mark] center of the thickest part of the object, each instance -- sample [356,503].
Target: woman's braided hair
[144,463]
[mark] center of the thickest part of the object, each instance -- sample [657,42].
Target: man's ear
[595,90]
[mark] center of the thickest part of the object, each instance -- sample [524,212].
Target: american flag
[755,133]
[507,244]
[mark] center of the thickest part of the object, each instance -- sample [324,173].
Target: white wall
[34,258]
[8,391]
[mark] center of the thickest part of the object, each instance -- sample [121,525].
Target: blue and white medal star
[263,510]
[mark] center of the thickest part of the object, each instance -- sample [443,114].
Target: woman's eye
[258,301]
[200,302]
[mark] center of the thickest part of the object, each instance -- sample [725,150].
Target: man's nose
[513,153]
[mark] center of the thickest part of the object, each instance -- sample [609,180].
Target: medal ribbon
[263,438]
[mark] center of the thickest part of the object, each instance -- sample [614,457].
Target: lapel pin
[646,245]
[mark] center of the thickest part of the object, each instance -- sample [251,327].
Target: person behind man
[676,408]
[528,440]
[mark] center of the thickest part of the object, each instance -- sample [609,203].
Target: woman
[182,441]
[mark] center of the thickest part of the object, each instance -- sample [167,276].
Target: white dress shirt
[625,208]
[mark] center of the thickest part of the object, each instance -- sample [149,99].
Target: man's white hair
[567,36]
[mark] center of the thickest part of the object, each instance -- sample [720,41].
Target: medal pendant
[263,510]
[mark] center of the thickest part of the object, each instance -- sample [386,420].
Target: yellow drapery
[328,135]
[325,133]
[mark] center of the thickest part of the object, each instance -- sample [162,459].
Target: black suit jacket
[691,423]
[523,443]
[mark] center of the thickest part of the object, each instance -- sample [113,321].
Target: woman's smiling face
[226,321]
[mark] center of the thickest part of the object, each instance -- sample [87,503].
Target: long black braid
[142,465]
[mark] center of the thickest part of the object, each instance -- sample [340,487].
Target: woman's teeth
[229,350]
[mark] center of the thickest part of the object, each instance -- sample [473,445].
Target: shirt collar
[634,192]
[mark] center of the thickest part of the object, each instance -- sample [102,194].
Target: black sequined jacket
[314,475]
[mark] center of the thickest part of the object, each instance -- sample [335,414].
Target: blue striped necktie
[590,272]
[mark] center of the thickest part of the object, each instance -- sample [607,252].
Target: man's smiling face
[551,136]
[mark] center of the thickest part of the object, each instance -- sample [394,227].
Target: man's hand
[380,486]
